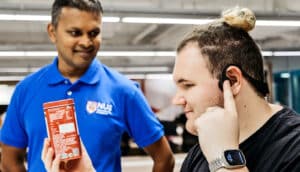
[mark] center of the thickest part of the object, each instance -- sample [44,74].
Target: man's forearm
[19,167]
[165,166]
[13,159]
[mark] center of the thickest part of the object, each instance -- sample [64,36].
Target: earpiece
[260,86]
[224,77]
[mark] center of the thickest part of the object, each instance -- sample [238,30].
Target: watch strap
[222,162]
[217,164]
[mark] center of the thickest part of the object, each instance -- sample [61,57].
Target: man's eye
[94,33]
[75,33]
[188,85]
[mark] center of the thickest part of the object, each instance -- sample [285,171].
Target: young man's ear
[235,77]
[51,32]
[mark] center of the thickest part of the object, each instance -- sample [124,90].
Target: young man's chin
[190,127]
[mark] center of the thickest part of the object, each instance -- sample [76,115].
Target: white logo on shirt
[99,108]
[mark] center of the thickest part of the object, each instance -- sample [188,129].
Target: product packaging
[62,129]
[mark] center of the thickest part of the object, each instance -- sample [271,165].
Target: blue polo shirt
[107,104]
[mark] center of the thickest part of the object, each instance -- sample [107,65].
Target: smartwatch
[230,159]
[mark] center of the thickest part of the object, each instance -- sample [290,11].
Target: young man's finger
[56,163]
[45,148]
[229,103]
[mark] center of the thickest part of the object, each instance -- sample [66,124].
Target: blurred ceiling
[121,36]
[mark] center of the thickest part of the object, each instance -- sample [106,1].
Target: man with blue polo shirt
[107,104]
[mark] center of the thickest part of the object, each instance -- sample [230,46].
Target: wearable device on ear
[260,86]
[223,78]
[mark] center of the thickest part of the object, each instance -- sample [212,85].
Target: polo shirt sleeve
[13,129]
[143,126]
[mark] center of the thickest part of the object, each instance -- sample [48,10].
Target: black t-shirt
[275,147]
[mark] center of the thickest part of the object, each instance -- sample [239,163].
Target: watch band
[229,159]
[217,164]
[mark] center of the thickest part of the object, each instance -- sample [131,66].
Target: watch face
[234,157]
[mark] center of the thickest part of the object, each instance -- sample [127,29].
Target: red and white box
[62,128]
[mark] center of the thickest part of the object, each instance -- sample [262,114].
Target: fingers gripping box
[62,128]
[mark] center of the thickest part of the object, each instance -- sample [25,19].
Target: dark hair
[222,44]
[93,6]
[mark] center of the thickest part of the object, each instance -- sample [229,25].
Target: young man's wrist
[229,159]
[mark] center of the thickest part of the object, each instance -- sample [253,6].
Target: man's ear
[51,32]
[234,75]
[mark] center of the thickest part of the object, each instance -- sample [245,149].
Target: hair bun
[238,17]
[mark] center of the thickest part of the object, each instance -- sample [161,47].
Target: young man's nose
[178,100]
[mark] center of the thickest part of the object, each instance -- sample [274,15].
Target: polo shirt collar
[91,76]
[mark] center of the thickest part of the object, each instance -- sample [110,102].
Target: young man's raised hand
[218,128]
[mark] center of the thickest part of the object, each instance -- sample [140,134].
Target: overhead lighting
[12,54]
[137,53]
[162,76]
[28,53]
[286,53]
[11,78]
[111,19]
[136,76]
[159,76]
[127,53]
[165,20]
[267,53]
[142,69]
[23,17]
[100,54]
[154,20]
[18,70]
[279,23]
